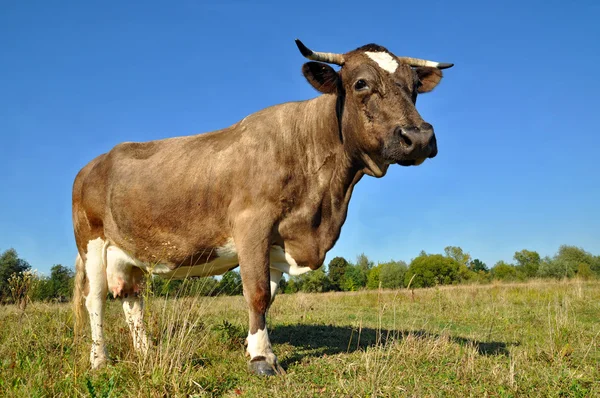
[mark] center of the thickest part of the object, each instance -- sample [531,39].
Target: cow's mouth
[411,162]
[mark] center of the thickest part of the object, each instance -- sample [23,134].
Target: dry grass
[535,339]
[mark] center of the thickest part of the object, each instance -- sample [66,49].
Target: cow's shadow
[317,340]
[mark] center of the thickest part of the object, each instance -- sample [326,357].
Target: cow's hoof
[99,363]
[259,366]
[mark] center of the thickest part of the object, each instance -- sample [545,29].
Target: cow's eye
[360,85]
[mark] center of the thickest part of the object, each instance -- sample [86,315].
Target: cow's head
[377,92]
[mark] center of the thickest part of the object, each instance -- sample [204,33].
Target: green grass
[535,339]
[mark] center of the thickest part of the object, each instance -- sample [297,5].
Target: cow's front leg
[253,251]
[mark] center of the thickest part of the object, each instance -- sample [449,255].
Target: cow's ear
[429,78]
[321,76]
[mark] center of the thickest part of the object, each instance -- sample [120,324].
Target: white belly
[227,259]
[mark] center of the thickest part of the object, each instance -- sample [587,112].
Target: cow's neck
[329,157]
[330,176]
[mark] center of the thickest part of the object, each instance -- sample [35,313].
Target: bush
[230,284]
[20,285]
[506,272]
[388,275]
[584,272]
[373,277]
[310,282]
[478,266]
[336,271]
[528,262]
[355,278]
[551,269]
[392,274]
[165,287]
[569,258]
[10,264]
[431,270]
[316,282]
[294,285]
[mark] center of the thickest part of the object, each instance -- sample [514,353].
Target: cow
[268,194]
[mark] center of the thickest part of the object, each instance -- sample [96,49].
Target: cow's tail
[78,296]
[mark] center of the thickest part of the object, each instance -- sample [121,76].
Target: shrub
[432,269]
[506,272]
[392,274]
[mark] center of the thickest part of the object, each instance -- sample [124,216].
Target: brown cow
[269,193]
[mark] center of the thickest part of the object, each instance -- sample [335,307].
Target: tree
[478,265]
[336,271]
[166,287]
[283,284]
[458,255]
[373,277]
[432,269]
[354,278]
[294,284]
[315,282]
[10,264]
[205,286]
[528,262]
[230,284]
[389,275]
[58,286]
[41,290]
[505,272]
[311,282]
[569,257]
[551,269]
[465,274]
[363,262]
[584,272]
[392,274]
[61,282]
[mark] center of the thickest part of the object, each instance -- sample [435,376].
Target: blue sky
[516,119]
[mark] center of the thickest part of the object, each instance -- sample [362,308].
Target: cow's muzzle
[415,144]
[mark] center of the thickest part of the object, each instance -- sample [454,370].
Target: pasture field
[534,339]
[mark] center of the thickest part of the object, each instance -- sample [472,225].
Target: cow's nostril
[405,139]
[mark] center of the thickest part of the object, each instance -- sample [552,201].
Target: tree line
[17,279]
[454,266]
[19,284]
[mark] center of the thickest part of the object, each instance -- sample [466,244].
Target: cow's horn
[423,62]
[330,58]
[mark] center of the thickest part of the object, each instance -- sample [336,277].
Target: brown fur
[286,161]
[282,176]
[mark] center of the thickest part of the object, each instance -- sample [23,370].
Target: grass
[534,339]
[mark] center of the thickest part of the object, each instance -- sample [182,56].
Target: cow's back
[181,193]
[173,193]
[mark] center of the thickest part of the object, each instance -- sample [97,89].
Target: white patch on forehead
[384,60]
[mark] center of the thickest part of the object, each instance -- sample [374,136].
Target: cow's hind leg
[275,276]
[95,269]
[125,281]
[134,314]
